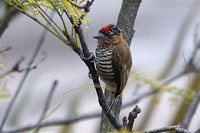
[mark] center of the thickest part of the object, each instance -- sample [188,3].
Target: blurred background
[164,37]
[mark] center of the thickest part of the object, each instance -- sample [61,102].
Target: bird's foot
[90,75]
[90,58]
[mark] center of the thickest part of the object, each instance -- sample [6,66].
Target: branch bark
[126,18]
[132,116]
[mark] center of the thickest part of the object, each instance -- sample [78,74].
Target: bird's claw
[90,75]
[90,58]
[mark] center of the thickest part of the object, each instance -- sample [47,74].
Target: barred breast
[104,63]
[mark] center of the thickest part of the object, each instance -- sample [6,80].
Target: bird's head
[109,35]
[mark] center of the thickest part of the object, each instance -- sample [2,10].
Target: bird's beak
[97,37]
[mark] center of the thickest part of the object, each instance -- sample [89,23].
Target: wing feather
[121,66]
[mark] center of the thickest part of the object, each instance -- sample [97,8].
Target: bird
[113,59]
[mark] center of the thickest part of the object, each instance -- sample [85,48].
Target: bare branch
[177,129]
[47,104]
[191,111]
[85,49]
[125,120]
[17,67]
[5,49]
[132,116]
[164,129]
[86,7]
[58,122]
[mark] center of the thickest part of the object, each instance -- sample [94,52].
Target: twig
[15,68]
[79,31]
[86,7]
[47,104]
[124,120]
[177,129]
[58,122]
[191,111]
[24,77]
[5,49]
[165,129]
[132,116]
[18,68]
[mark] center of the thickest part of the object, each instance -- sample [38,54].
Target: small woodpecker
[113,59]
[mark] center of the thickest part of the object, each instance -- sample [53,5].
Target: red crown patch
[105,28]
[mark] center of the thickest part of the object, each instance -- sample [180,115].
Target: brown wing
[121,65]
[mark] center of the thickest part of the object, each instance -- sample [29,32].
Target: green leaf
[25,5]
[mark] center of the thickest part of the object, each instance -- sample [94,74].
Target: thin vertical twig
[191,111]
[132,116]
[47,104]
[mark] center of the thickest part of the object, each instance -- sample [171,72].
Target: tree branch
[191,111]
[85,49]
[86,7]
[177,129]
[126,18]
[5,49]
[58,122]
[132,116]
[18,68]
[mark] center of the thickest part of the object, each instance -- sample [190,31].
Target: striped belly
[104,63]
